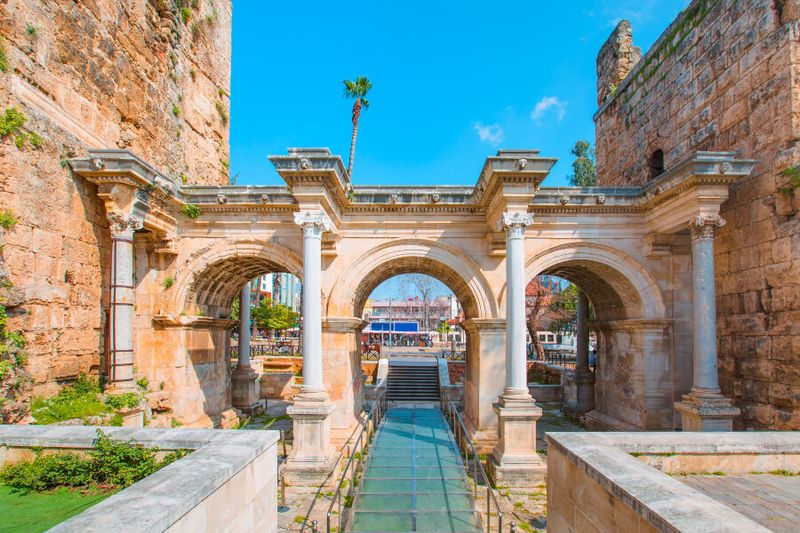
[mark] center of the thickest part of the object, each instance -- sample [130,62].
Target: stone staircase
[409,382]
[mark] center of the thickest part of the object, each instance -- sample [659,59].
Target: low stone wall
[228,483]
[545,393]
[605,481]
[278,385]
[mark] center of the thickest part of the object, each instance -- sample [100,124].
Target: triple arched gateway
[640,256]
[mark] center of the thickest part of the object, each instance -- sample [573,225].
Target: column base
[313,456]
[584,401]
[514,461]
[245,390]
[706,410]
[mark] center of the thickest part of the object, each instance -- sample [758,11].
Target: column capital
[705,226]
[514,224]
[314,223]
[123,226]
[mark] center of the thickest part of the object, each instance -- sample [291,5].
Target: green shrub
[125,400]
[223,113]
[35,140]
[31,29]
[143,383]
[3,59]
[7,219]
[46,472]
[191,211]
[176,110]
[110,465]
[78,400]
[169,282]
[11,122]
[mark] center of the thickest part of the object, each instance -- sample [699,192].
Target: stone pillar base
[313,456]
[514,461]
[703,410]
[584,402]
[245,391]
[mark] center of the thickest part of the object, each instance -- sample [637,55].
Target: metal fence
[269,348]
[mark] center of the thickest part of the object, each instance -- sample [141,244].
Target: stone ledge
[664,502]
[160,500]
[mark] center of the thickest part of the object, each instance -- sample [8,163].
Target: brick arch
[210,280]
[445,263]
[618,286]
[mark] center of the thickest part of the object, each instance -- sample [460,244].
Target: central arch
[449,265]
[485,360]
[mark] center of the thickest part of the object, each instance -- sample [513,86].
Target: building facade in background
[280,288]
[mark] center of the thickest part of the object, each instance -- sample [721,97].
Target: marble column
[244,380]
[514,461]
[312,456]
[121,300]
[582,376]
[704,408]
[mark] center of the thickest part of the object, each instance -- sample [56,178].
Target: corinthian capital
[514,224]
[314,223]
[704,226]
[123,226]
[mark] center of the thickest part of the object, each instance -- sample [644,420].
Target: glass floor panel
[414,478]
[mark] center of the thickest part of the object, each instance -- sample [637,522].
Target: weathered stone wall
[105,74]
[724,76]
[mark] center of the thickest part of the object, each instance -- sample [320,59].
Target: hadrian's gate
[636,253]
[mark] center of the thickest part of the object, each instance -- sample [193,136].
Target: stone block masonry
[724,76]
[97,75]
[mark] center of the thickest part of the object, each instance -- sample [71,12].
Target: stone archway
[188,349]
[485,373]
[211,278]
[633,388]
[449,265]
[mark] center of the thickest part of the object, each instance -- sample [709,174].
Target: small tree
[584,171]
[537,300]
[564,310]
[276,317]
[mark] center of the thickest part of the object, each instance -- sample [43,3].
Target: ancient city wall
[724,77]
[151,76]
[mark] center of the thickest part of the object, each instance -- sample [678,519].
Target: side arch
[618,286]
[210,279]
[448,264]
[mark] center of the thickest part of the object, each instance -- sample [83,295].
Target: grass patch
[126,400]
[782,472]
[39,511]
[78,400]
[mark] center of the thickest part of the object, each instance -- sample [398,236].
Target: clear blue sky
[452,81]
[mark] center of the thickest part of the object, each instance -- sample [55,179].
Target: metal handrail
[361,443]
[464,442]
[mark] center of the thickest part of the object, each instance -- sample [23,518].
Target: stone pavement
[771,500]
[528,508]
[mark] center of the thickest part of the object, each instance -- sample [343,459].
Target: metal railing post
[513,527]
[314,528]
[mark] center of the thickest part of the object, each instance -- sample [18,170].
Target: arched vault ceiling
[612,295]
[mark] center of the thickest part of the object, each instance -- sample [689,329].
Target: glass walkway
[414,478]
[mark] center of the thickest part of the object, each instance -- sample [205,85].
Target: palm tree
[356,89]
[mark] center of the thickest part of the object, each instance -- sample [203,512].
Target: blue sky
[452,81]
